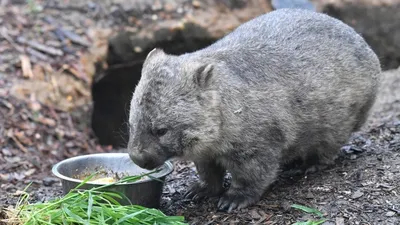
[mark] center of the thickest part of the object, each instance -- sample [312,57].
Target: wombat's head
[174,110]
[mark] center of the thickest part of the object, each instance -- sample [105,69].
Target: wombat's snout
[144,161]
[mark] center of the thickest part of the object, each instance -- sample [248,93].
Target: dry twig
[41,47]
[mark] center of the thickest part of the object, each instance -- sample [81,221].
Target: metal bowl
[145,192]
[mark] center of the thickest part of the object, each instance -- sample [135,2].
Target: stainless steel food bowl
[145,192]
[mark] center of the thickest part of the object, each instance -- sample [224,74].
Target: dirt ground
[37,131]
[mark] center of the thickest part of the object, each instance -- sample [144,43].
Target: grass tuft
[87,207]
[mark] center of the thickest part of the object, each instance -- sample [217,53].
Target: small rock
[357,194]
[6,152]
[309,195]
[196,4]
[137,49]
[339,221]
[328,223]
[49,181]
[254,214]
[352,157]
[390,214]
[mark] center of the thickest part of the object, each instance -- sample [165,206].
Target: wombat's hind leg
[249,181]
[323,158]
[210,183]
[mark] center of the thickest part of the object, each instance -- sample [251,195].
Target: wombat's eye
[160,132]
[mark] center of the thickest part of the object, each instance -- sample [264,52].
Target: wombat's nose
[136,159]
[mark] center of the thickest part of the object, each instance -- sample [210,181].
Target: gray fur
[291,83]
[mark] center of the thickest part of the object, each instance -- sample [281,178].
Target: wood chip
[47,121]
[30,172]
[37,54]
[75,38]
[19,193]
[26,66]
[20,146]
[390,214]
[22,138]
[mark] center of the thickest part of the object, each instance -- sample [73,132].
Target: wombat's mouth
[151,165]
[145,162]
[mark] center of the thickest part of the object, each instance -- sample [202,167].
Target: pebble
[49,181]
[357,194]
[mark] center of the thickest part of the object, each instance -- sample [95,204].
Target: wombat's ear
[154,52]
[203,75]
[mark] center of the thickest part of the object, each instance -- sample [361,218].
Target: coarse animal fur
[288,84]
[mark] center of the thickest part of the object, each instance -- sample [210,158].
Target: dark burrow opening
[113,87]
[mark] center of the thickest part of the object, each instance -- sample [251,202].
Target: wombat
[287,85]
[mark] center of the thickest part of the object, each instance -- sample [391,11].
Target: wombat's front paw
[200,190]
[232,200]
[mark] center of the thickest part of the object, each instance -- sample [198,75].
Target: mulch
[47,51]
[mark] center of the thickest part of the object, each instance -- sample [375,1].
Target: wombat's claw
[229,202]
[198,191]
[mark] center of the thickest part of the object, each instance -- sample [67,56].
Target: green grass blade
[310,222]
[130,216]
[89,208]
[73,215]
[308,210]
[86,180]
[319,222]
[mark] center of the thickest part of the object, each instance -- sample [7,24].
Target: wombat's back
[288,43]
[311,72]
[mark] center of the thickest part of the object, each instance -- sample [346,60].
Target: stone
[49,181]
